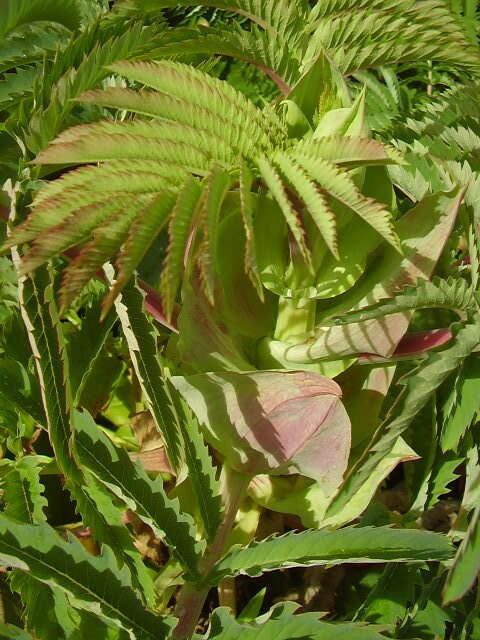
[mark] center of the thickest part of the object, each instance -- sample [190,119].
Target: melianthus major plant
[289,260]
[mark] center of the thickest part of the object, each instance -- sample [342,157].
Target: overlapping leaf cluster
[282,236]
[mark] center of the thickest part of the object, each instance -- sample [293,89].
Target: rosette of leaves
[299,41]
[312,198]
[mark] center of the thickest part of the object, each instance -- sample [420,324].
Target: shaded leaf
[129,482]
[279,623]
[141,339]
[20,389]
[23,490]
[10,632]
[466,564]
[93,583]
[85,345]
[96,506]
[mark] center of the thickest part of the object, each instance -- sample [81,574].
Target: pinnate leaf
[418,389]
[47,342]
[217,184]
[201,472]
[91,583]
[314,199]
[139,238]
[104,518]
[130,483]
[273,180]
[179,230]
[423,231]
[84,346]
[23,490]
[349,151]
[336,182]
[246,210]
[351,545]
[453,293]
[465,406]
[281,624]
[466,564]
[141,335]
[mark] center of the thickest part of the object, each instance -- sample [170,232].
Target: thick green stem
[192,596]
[295,319]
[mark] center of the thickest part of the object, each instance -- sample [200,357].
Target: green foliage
[140,335]
[85,345]
[47,342]
[9,631]
[418,389]
[350,545]
[282,245]
[466,564]
[201,472]
[129,482]
[23,490]
[287,36]
[16,14]
[280,623]
[108,592]
[183,133]
[454,294]
[462,405]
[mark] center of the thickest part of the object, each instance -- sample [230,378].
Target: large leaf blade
[141,339]
[351,545]
[418,389]
[202,473]
[279,623]
[466,564]
[46,339]
[93,583]
[130,483]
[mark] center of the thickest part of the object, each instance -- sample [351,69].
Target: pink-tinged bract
[276,422]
